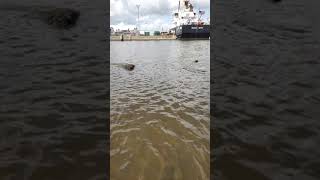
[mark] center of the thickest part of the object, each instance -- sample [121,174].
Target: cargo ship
[188,24]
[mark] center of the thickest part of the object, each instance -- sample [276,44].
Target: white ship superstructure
[187,23]
[185,14]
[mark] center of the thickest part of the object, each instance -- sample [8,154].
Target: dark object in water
[129,67]
[62,17]
[275,1]
[196,61]
[126,66]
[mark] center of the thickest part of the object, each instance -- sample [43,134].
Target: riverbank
[142,38]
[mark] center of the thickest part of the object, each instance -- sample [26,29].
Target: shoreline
[142,38]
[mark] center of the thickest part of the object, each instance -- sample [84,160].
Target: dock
[142,38]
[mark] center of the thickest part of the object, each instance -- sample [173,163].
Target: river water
[265,95]
[53,93]
[160,114]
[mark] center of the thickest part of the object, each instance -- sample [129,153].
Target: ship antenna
[198,13]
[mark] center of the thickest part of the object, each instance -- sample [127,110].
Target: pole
[138,7]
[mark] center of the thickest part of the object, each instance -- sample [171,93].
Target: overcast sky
[154,14]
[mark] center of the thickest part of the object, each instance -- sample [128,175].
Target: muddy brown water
[160,111]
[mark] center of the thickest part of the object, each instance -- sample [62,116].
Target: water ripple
[160,110]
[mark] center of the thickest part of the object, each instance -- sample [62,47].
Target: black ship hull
[193,32]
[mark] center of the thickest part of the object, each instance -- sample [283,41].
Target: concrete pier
[141,38]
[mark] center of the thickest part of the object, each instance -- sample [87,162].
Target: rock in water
[129,67]
[126,66]
[62,17]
